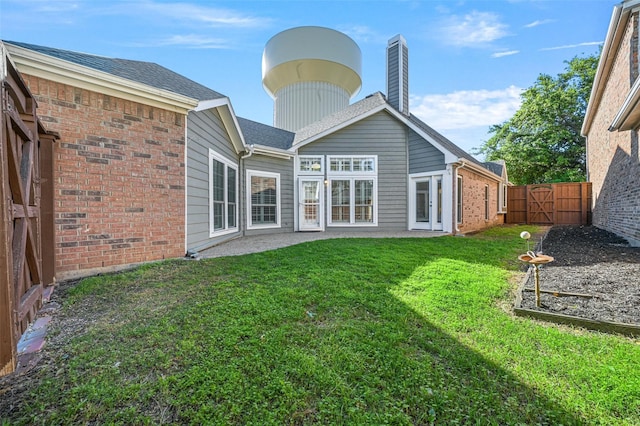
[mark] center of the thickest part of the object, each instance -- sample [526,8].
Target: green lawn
[347,331]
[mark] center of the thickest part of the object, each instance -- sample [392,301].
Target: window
[310,165]
[353,190]
[352,201]
[486,202]
[263,199]
[355,164]
[502,198]
[459,199]
[223,195]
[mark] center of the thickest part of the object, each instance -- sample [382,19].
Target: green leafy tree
[541,143]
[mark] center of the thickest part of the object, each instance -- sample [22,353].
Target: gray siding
[204,131]
[423,157]
[393,77]
[398,84]
[405,79]
[284,167]
[380,135]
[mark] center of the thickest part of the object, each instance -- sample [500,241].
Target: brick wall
[613,161]
[119,179]
[473,204]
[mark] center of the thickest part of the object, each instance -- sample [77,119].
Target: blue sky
[468,60]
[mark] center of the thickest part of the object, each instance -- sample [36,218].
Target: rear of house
[119,164]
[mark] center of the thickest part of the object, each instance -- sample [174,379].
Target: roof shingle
[148,73]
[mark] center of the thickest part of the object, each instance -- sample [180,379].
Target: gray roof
[148,73]
[496,167]
[349,113]
[367,104]
[446,143]
[261,134]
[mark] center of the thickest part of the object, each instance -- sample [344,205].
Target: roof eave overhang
[272,152]
[629,115]
[615,32]
[229,120]
[47,67]
[464,162]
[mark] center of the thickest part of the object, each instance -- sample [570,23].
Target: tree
[541,143]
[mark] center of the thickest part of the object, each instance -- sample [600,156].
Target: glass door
[426,203]
[423,203]
[310,204]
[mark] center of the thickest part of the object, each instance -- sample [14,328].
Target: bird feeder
[535,259]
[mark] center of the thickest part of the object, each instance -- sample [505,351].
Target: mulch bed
[589,261]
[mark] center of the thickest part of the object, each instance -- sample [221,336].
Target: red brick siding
[612,157]
[119,179]
[473,206]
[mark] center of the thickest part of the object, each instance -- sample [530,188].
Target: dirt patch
[589,261]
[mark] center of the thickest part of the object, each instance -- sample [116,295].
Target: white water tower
[310,72]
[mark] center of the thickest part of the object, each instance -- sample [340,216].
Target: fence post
[584,204]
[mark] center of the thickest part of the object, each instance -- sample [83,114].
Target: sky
[469,61]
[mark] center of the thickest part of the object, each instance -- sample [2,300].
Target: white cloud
[209,15]
[467,108]
[465,116]
[473,29]
[194,41]
[571,46]
[505,53]
[539,22]
[363,34]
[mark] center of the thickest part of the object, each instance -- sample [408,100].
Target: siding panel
[284,167]
[204,130]
[380,135]
[423,157]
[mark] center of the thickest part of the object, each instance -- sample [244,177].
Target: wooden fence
[26,184]
[550,204]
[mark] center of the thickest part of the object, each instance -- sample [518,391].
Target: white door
[426,203]
[310,204]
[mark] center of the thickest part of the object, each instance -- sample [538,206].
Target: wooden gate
[550,204]
[21,265]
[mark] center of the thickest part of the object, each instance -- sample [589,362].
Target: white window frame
[227,165]
[351,159]
[302,158]
[257,173]
[352,177]
[502,198]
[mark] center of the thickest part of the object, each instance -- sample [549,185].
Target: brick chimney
[398,74]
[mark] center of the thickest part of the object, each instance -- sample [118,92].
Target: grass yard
[355,331]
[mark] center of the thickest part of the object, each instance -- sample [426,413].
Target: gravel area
[589,261]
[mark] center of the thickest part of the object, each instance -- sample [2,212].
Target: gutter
[249,153]
[605,63]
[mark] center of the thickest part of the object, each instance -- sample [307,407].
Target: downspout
[243,168]
[186,178]
[249,153]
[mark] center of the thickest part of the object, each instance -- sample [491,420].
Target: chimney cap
[398,38]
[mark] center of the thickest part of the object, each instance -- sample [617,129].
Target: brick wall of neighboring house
[119,179]
[473,202]
[613,158]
